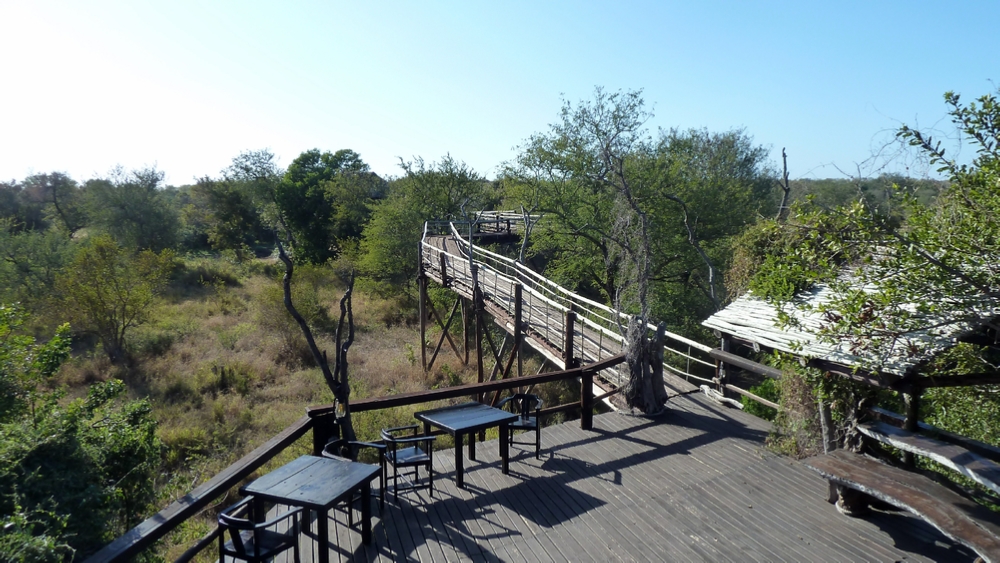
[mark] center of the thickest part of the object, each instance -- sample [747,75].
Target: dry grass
[226,368]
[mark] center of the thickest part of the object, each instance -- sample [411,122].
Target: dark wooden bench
[955,516]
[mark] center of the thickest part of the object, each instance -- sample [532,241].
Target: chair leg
[538,441]
[381,487]
[298,537]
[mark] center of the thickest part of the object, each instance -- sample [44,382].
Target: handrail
[163,522]
[417,397]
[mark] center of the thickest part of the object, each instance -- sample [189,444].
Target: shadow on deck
[693,485]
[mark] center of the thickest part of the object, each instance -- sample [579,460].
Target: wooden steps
[955,516]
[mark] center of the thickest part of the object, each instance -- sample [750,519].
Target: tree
[63,197]
[30,261]
[131,207]
[19,210]
[109,290]
[317,200]
[234,221]
[427,191]
[696,189]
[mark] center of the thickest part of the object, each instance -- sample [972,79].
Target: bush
[73,476]
[768,389]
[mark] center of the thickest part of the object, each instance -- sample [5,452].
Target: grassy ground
[226,369]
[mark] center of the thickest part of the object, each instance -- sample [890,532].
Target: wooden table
[465,420]
[317,483]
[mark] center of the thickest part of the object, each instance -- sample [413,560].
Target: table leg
[323,535]
[472,446]
[504,449]
[366,513]
[458,460]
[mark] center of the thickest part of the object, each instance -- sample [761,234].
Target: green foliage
[20,210]
[796,425]
[33,536]
[64,207]
[29,264]
[24,365]
[434,191]
[768,389]
[323,198]
[72,476]
[109,290]
[933,266]
[231,215]
[131,207]
[694,190]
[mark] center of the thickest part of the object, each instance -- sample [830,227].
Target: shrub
[768,389]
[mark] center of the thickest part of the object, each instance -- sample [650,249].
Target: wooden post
[465,330]
[829,442]
[587,400]
[912,400]
[422,312]
[444,270]
[518,329]
[568,360]
[477,304]
[325,428]
[724,345]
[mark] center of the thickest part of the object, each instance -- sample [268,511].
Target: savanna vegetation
[145,345]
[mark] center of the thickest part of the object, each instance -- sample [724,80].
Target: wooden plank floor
[693,485]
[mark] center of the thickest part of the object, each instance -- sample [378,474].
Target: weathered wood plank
[956,517]
[969,464]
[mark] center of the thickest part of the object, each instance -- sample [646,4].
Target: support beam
[445,334]
[465,329]
[422,313]
[518,326]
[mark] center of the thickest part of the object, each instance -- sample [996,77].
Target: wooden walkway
[693,485]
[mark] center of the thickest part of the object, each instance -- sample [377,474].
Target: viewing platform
[695,484]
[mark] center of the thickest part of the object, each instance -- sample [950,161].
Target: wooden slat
[971,465]
[956,517]
[988,451]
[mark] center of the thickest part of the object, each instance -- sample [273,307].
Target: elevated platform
[694,485]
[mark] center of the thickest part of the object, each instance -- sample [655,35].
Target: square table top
[467,417]
[312,482]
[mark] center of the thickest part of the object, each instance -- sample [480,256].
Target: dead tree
[336,378]
[786,190]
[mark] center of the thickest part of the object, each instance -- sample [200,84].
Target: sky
[187,85]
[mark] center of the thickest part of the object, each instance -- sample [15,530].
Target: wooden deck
[693,485]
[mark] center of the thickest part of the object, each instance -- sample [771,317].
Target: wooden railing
[546,306]
[159,525]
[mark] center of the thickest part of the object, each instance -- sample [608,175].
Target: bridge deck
[693,485]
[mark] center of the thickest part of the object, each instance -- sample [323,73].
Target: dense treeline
[107,255]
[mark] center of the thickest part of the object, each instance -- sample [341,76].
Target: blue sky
[187,85]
